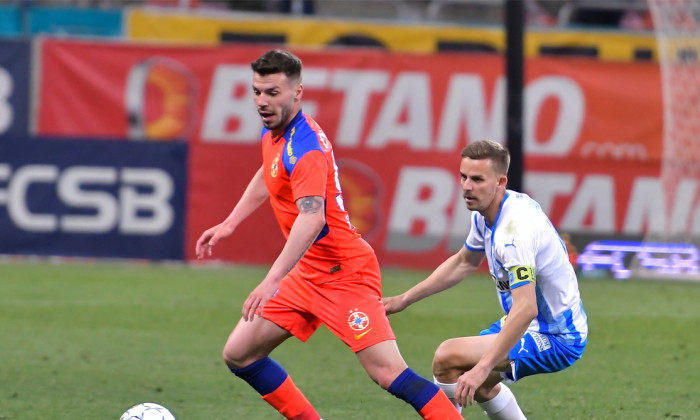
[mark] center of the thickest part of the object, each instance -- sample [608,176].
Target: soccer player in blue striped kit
[545,328]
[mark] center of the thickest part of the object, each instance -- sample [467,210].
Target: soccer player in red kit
[325,274]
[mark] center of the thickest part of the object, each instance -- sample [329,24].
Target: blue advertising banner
[115,199]
[10,20]
[14,88]
[66,20]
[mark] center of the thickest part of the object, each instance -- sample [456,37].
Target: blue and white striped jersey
[523,241]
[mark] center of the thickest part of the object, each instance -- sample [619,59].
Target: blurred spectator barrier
[10,20]
[59,20]
[75,21]
[201,27]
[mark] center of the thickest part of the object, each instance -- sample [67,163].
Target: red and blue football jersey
[300,163]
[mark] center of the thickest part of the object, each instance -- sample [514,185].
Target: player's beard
[283,119]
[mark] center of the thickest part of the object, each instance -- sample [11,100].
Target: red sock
[440,408]
[291,403]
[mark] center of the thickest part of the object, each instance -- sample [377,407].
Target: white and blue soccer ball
[147,411]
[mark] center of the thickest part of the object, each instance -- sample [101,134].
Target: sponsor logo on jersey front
[501,285]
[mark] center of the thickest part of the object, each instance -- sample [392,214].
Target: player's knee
[444,359]
[238,354]
[385,381]
[230,359]
[235,359]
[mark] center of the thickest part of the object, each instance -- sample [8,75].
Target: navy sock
[413,389]
[264,375]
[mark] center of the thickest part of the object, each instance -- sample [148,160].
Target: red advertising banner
[592,135]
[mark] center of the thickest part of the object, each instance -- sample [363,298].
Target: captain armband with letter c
[521,275]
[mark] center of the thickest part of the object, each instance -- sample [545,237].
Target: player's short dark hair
[489,149]
[278,61]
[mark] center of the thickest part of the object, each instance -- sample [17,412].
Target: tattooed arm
[306,228]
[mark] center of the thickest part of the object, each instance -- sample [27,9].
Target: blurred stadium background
[126,127]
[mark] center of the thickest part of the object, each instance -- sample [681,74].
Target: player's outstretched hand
[209,238]
[393,304]
[257,299]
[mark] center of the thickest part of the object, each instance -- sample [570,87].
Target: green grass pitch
[88,340]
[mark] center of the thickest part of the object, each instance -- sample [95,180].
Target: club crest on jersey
[275,168]
[358,320]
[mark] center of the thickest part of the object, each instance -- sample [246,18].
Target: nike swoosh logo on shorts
[358,336]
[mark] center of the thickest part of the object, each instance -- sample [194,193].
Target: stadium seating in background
[622,14]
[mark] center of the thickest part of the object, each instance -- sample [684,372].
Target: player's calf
[424,396]
[276,387]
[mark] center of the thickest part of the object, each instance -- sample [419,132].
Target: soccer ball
[147,411]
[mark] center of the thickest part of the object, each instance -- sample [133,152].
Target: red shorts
[349,306]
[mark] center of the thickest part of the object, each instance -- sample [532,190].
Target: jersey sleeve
[475,239]
[517,248]
[310,175]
